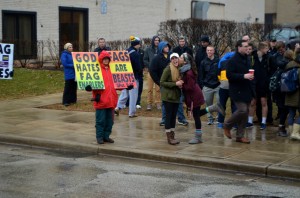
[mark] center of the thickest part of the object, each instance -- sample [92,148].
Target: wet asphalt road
[35,172]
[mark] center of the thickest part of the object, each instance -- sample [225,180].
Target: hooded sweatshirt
[150,52]
[159,62]
[108,96]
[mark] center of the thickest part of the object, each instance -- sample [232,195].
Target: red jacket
[108,96]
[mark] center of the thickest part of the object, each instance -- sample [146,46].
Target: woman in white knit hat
[70,90]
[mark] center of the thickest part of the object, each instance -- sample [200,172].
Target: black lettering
[78,58]
[93,58]
[96,76]
[88,76]
[78,66]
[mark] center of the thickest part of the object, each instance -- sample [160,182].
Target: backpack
[274,84]
[290,80]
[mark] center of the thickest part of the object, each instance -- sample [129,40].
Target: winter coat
[108,96]
[99,50]
[209,71]
[135,61]
[261,76]
[170,92]
[180,50]
[224,84]
[150,53]
[293,99]
[159,63]
[240,89]
[191,90]
[67,62]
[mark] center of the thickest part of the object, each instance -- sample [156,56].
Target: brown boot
[227,133]
[170,139]
[173,137]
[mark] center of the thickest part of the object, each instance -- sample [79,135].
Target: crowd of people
[181,76]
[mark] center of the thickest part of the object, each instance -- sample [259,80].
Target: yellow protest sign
[88,70]
[121,69]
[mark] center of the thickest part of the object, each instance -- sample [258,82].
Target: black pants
[197,113]
[171,112]
[70,92]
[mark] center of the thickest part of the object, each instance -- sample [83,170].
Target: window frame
[18,14]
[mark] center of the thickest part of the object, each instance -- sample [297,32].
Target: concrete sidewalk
[23,122]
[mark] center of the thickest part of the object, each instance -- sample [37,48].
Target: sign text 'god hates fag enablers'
[87,69]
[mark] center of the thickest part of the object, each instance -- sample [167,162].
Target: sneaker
[216,108]
[158,106]
[249,125]
[184,123]
[210,121]
[133,116]
[263,126]
[220,125]
[117,111]
[138,106]
[162,124]
[149,107]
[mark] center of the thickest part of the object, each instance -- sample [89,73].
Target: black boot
[282,131]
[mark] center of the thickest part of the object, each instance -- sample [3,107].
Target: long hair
[174,72]
[189,59]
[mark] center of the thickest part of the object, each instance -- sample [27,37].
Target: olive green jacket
[293,99]
[169,91]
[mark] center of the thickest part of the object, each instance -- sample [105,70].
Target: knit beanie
[134,41]
[67,45]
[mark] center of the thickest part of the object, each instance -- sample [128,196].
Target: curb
[265,170]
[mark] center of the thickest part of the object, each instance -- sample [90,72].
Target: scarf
[185,68]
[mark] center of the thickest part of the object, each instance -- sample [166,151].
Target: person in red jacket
[193,95]
[105,100]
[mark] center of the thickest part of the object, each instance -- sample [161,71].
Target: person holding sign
[105,101]
[70,90]
[131,92]
[171,85]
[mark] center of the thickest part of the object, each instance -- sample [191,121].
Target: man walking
[149,54]
[240,90]
[209,81]
[130,92]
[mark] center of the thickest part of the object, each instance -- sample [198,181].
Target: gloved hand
[97,98]
[129,87]
[88,88]
[11,73]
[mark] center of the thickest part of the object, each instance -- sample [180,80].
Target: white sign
[6,60]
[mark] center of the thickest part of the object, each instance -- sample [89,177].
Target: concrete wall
[287,11]
[131,17]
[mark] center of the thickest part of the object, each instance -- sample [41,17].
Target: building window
[19,28]
[73,27]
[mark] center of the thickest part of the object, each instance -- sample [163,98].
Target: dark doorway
[73,27]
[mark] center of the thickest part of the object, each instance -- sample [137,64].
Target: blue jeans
[223,97]
[180,113]
[104,123]
[292,114]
